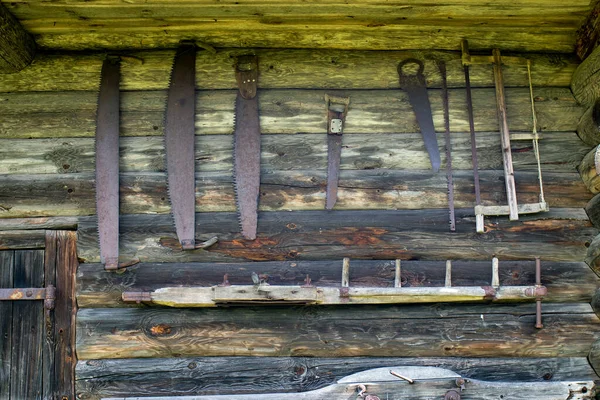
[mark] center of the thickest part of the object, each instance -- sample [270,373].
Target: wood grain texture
[588,33]
[588,128]
[22,239]
[140,193]
[7,260]
[585,82]
[48,349]
[238,375]
[27,328]
[560,152]
[17,47]
[279,69]
[589,174]
[560,235]
[13,224]
[414,331]
[290,111]
[592,209]
[566,281]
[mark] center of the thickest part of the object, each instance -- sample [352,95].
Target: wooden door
[36,343]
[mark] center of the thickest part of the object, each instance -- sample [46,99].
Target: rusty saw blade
[107,163]
[246,147]
[179,144]
[337,108]
[415,86]
[442,68]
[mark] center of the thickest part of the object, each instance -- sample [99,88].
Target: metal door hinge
[48,294]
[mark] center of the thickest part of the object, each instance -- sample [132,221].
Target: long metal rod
[509,174]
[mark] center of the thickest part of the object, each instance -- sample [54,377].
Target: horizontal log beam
[22,239]
[17,47]
[566,281]
[63,223]
[290,111]
[74,194]
[560,235]
[413,331]
[238,375]
[279,69]
[560,152]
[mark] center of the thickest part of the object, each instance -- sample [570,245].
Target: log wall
[391,205]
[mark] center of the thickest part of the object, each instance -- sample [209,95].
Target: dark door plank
[26,366]
[7,260]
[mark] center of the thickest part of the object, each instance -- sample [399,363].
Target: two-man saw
[179,144]
[337,108]
[415,86]
[246,146]
[107,163]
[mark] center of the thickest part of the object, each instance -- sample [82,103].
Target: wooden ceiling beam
[17,47]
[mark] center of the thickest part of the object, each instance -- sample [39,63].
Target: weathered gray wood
[594,357]
[588,171]
[27,328]
[236,375]
[440,330]
[17,47]
[592,209]
[65,357]
[72,114]
[560,235]
[73,194]
[593,254]
[48,358]
[588,128]
[13,224]
[560,152]
[585,82]
[22,239]
[279,69]
[7,260]
[566,281]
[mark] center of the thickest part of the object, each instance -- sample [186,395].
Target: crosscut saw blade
[246,147]
[452,217]
[415,86]
[107,163]
[179,144]
[337,108]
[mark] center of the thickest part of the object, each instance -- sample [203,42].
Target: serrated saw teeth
[246,146]
[179,144]
[107,163]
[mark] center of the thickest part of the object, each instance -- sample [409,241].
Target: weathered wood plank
[560,235]
[73,194]
[72,114]
[589,173]
[28,328]
[48,347]
[279,69]
[38,223]
[17,47]
[588,129]
[237,375]
[413,331]
[566,281]
[389,33]
[7,260]
[65,357]
[560,152]
[22,239]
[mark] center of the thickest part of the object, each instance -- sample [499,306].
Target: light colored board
[72,114]
[279,69]
[560,152]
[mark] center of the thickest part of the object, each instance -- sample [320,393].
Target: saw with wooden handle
[107,163]
[337,108]
[179,144]
[246,146]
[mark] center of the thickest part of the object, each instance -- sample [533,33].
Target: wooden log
[560,235]
[48,350]
[7,258]
[593,254]
[237,375]
[22,239]
[588,33]
[594,357]
[588,169]
[593,211]
[38,223]
[73,194]
[290,111]
[279,69]
[560,152]
[588,129]
[413,331]
[17,47]
[566,281]
[585,82]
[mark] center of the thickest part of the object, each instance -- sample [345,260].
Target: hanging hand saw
[337,108]
[442,67]
[415,86]
[107,163]
[246,147]
[179,144]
